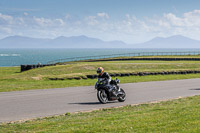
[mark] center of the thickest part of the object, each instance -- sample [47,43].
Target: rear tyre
[122,96]
[102,96]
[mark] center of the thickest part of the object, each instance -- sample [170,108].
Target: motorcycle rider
[103,74]
[107,77]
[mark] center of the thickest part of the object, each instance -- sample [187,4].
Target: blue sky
[131,21]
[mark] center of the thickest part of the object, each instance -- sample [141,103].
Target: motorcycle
[109,92]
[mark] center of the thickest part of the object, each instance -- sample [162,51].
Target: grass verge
[12,80]
[18,85]
[180,115]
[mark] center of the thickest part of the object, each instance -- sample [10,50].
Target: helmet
[99,70]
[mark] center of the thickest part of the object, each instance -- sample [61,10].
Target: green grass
[8,71]
[85,68]
[12,80]
[181,115]
[165,56]
[18,85]
[155,56]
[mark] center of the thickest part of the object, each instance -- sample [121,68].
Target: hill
[177,41]
[59,42]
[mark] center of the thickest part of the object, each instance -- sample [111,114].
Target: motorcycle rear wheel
[102,96]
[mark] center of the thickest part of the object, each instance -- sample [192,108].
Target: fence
[29,67]
[123,55]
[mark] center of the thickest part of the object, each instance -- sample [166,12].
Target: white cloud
[91,20]
[189,19]
[5,30]
[130,29]
[5,19]
[103,15]
[59,22]
[173,20]
[44,22]
[96,20]
[192,13]
[67,16]
[20,21]
[25,13]
[170,24]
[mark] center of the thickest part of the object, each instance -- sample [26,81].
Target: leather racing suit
[106,76]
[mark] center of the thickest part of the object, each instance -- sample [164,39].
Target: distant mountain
[59,42]
[177,41]
[22,42]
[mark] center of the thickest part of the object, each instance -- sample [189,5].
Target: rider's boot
[116,91]
[117,88]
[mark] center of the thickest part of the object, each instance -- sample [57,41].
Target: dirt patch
[72,74]
[89,67]
[37,78]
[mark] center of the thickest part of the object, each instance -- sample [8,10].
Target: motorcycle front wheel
[122,97]
[102,96]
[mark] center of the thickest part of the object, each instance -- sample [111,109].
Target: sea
[17,57]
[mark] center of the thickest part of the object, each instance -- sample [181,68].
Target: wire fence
[136,54]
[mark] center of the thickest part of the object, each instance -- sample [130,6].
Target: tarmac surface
[30,104]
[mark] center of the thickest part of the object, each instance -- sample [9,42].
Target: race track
[23,105]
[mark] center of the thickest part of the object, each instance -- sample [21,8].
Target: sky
[131,21]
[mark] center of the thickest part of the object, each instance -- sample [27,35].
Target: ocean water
[17,57]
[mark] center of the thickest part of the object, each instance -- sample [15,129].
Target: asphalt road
[23,105]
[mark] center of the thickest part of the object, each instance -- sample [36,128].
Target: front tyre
[102,96]
[122,95]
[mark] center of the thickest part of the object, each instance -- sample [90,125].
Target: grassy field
[181,115]
[155,56]
[11,79]
[165,56]
[18,85]
[78,69]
